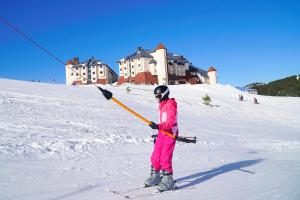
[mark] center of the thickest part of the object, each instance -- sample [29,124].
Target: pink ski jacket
[168,117]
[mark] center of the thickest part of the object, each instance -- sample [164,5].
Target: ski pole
[108,95]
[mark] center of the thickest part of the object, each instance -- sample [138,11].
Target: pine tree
[206,100]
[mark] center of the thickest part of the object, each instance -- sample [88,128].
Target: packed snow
[63,142]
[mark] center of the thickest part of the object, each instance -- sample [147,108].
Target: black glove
[153,125]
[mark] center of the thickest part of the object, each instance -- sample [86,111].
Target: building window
[132,66]
[83,68]
[101,66]
[132,73]
[120,69]
[125,68]
[83,73]
[76,68]
[72,74]
[139,65]
[77,74]
[101,72]
[94,78]
[94,72]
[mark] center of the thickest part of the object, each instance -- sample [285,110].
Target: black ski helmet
[161,93]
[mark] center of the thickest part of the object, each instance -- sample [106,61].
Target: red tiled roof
[140,78]
[160,46]
[69,62]
[212,69]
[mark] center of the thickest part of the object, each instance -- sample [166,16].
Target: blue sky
[246,40]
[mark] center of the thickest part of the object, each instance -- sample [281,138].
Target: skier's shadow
[200,177]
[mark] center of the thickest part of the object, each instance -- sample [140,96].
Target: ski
[154,193]
[120,192]
[129,190]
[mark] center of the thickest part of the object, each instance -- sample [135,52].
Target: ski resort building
[159,66]
[89,71]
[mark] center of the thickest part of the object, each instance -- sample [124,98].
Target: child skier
[161,158]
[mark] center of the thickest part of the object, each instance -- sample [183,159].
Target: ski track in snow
[68,142]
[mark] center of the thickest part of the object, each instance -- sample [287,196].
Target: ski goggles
[158,96]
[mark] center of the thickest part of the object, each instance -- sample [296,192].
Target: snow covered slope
[68,142]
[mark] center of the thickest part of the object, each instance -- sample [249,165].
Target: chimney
[76,60]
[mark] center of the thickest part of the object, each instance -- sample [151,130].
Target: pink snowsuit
[164,146]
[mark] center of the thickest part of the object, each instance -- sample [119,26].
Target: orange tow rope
[139,116]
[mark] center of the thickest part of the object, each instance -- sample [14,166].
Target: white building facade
[89,71]
[160,67]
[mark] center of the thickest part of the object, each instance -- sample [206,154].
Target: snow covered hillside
[68,142]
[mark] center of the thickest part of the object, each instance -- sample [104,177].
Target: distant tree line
[289,86]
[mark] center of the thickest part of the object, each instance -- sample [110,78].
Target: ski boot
[154,178]
[167,182]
